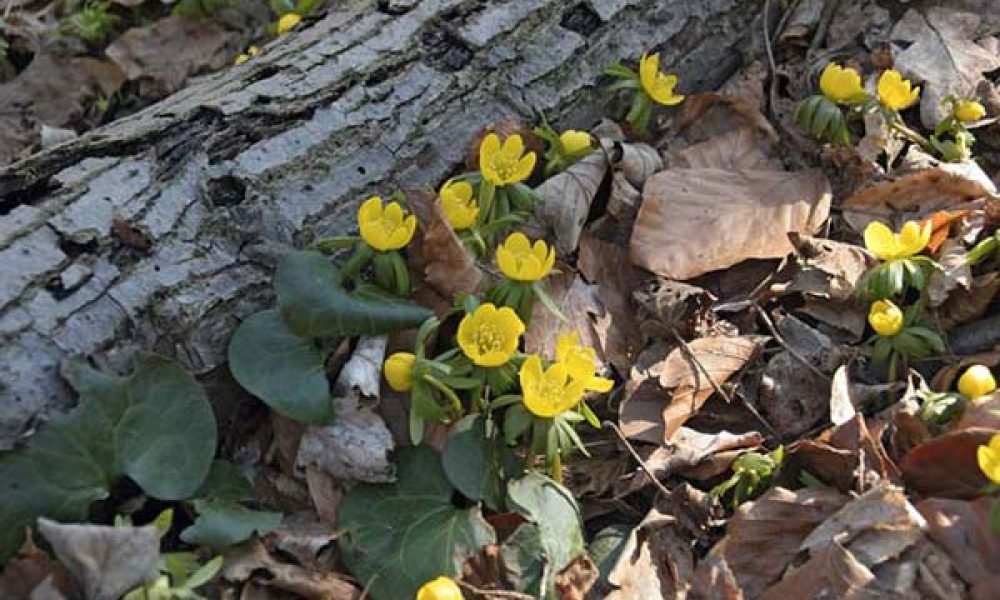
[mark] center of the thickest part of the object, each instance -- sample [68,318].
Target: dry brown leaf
[945,379]
[636,162]
[574,581]
[624,199]
[675,307]
[938,47]
[941,226]
[878,140]
[742,148]
[981,412]
[764,535]
[955,273]
[163,55]
[946,465]
[567,197]
[252,561]
[693,221]
[874,527]
[918,194]
[827,268]
[640,415]
[106,561]
[964,531]
[690,448]
[706,115]
[325,493]
[306,538]
[847,319]
[685,375]
[31,568]
[863,437]
[579,302]
[656,562]
[606,266]
[836,467]
[446,264]
[966,305]
[714,580]
[832,572]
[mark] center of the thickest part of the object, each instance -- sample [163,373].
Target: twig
[824,25]
[494,593]
[635,455]
[795,353]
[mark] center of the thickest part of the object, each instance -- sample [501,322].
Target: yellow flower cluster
[550,392]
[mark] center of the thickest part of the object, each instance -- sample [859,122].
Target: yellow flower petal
[600,385]
[913,237]
[841,84]
[658,86]
[886,318]
[287,22]
[969,110]
[977,381]
[398,371]
[512,147]
[895,92]
[575,142]
[442,588]
[504,164]
[880,240]
[989,461]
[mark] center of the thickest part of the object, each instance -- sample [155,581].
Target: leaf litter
[717,268]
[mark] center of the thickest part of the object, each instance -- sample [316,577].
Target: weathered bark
[227,173]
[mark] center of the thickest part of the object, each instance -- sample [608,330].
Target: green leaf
[551,508]
[284,370]
[397,537]
[314,303]
[221,524]
[155,426]
[524,559]
[226,483]
[607,546]
[474,463]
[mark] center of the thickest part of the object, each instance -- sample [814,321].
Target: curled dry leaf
[624,199]
[636,162]
[835,467]
[567,199]
[690,449]
[714,580]
[656,562]
[964,531]
[606,266]
[862,436]
[918,194]
[968,304]
[252,563]
[946,466]
[955,273]
[843,401]
[874,527]
[684,374]
[446,264]
[827,268]
[764,535]
[356,446]
[693,221]
[937,47]
[831,572]
[106,561]
[163,55]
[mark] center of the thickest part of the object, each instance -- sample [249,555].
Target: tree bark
[158,232]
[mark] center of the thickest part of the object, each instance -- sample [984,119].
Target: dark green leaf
[314,303]
[284,370]
[225,483]
[607,546]
[221,524]
[524,559]
[474,463]
[396,537]
[155,426]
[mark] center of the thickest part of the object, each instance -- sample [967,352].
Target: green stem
[911,135]
[893,365]
[555,469]
[456,403]
[487,192]
[363,254]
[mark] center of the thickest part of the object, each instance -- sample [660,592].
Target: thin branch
[494,593]
[635,455]
[795,353]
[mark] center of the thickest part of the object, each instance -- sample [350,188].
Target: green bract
[821,117]
[155,426]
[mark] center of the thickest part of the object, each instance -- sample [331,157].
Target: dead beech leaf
[764,535]
[30,569]
[689,448]
[918,194]
[579,302]
[836,467]
[641,412]
[446,264]
[163,55]
[874,527]
[981,412]
[964,531]
[567,199]
[305,537]
[656,562]
[966,305]
[946,466]
[827,268]
[742,148]
[574,581]
[955,273]
[720,357]
[106,561]
[675,307]
[831,572]
[693,221]
[937,47]
[606,266]
[709,114]
[714,580]
[624,199]
[941,226]
[636,162]
[251,561]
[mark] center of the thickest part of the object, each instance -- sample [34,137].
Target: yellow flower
[385,228]
[459,207]
[489,336]
[895,92]
[398,371]
[575,142]
[442,588]
[251,52]
[841,84]
[287,22]
[658,86]
[580,362]
[549,392]
[883,243]
[976,381]
[885,318]
[519,260]
[969,110]
[506,164]
[989,459]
